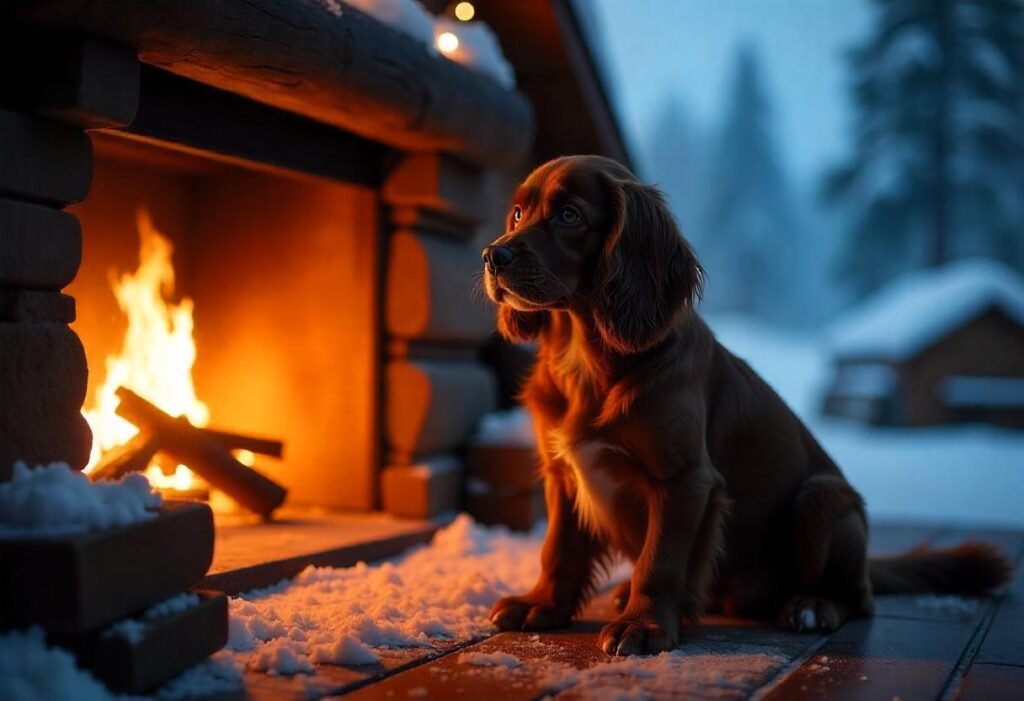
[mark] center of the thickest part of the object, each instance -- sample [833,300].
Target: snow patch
[31,671]
[134,629]
[55,500]
[431,595]
[489,659]
[679,673]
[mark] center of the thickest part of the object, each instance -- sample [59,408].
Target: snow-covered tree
[750,230]
[937,169]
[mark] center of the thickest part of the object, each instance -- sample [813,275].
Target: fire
[156,358]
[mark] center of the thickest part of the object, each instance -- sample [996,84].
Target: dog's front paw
[638,634]
[528,613]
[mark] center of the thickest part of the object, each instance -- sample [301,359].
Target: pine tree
[748,216]
[938,171]
[673,160]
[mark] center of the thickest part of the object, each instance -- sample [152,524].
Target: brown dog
[659,444]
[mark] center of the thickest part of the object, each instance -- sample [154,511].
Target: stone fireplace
[323,181]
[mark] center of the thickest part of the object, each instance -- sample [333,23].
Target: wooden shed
[938,346]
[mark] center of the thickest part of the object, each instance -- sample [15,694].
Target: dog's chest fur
[596,487]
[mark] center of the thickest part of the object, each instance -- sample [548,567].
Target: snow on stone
[509,427]
[428,596]
[55,500]
[134,629]
[917,308]
[489,659]
[31,671]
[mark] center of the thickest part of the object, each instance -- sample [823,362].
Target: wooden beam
[345,69]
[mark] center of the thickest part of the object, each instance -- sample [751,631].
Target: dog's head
[584,234]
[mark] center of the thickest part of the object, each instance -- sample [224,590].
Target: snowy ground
[967,475]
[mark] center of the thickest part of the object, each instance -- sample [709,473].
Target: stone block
[43,160]
[40,247]
[42,437]
[431,293]
[424,490]
[36,305]
[79,583]
[82,80]
[162,649]
[42,369]
[439,183]
[433,406]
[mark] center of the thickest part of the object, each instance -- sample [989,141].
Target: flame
[156,358]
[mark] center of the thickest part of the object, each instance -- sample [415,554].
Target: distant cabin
[937,346]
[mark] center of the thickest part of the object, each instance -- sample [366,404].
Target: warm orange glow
[465,11]
[156,358]
[246,457]
[447,42]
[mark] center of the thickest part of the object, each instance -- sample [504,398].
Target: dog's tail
[972,569]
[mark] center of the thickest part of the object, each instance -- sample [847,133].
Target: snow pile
[31,671]
[56,500]
[677,674]
[917,308]
[511,427]
[134,629]
[433,594]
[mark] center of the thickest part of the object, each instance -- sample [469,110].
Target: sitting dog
[659,444]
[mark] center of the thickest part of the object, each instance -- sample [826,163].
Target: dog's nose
[497,257]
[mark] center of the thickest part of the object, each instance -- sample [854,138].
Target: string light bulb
[447,42]
[465,11]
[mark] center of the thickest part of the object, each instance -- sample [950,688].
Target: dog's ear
[647,272]
[515,325]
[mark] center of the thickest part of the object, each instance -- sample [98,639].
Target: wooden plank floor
[914,648]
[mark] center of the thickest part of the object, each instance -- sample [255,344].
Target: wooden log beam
[346,69]
[204,455]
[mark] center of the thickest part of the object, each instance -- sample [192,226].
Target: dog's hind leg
[830,534]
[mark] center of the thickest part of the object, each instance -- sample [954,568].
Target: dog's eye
[569,216]
[517,214]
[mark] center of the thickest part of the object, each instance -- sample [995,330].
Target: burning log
[204,454]
[133,456]
[236,441]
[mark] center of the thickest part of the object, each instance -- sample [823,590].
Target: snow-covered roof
[916,310]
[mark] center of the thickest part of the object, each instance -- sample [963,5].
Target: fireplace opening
[240,298]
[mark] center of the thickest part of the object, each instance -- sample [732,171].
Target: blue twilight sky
[654,48]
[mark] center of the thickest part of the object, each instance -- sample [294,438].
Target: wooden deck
[914,648]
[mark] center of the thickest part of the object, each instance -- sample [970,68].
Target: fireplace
[324,184]
[283,275]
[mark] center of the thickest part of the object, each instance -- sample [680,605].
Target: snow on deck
[919,307]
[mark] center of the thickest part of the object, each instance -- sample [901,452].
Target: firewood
[237,441]
[133,456]
[203,454]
